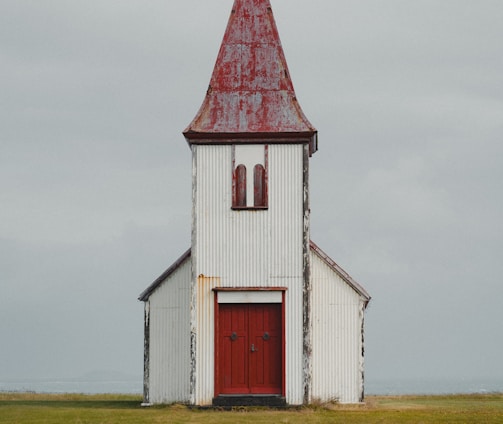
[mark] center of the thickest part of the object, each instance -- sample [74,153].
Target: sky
[95,175]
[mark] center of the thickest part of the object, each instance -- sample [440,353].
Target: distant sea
[67,385]
[432,386]
[134,385]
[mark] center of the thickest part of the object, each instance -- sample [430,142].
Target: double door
[249,349]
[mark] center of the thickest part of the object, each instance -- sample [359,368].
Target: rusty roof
[251,94]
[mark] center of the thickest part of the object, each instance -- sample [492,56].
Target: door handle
[253,349]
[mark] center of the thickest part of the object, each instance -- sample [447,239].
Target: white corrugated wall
[248,248]
[169,353]
[337,358]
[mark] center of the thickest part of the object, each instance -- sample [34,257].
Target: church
[254,312]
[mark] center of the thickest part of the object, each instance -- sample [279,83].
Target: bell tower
[251,145]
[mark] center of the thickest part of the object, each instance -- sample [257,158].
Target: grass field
[21,408]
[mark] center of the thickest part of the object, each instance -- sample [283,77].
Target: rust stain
[205,335]
[205,293]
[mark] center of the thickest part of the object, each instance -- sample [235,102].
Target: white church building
[254,312]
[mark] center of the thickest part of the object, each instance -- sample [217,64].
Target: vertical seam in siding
[193,286]
[307,346]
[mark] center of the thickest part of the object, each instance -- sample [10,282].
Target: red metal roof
[251,94]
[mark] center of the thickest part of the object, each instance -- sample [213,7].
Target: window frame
[236,181]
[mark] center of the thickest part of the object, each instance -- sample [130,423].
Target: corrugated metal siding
[286,199]
[205,360]
[169,359]
[337,314]
[249,248]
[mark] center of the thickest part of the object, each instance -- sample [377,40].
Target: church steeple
[251,95]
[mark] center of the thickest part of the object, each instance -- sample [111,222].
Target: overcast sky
[95,174]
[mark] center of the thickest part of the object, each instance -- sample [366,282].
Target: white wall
[169,361]
[337,316]
[248,248]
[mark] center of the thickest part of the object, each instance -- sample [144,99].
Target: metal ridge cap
[244,136]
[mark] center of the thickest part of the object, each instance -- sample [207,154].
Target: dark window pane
[259,186]
[239,183]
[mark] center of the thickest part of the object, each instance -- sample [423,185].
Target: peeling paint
[362,357]
[306,293]
[146,354]
[193,286]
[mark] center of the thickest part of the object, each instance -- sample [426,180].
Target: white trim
[250,296]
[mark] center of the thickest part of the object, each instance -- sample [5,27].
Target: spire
[250,94]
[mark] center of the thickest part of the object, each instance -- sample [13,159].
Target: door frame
[249,295]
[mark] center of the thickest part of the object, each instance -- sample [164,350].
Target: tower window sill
[249,208]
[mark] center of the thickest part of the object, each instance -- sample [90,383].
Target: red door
[249,349]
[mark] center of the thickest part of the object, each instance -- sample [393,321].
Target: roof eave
[308,137]
[341,273]
[158,281]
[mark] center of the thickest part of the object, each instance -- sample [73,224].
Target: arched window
[259,186]
[250,173]
[239,187]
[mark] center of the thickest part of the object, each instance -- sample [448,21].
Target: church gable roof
[251,94]
[159,280]
[314,248]
[340,272]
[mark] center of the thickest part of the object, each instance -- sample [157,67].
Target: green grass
[21,408]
